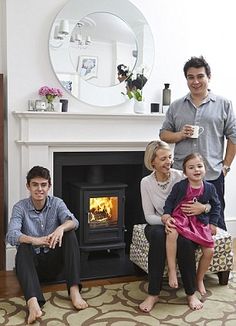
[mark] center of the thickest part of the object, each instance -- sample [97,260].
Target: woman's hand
[169,222]
[193,208]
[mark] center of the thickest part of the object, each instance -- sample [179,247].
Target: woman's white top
[154,197]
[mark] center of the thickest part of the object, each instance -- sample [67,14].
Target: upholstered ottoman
[222,262]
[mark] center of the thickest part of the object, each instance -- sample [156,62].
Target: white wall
[180,28]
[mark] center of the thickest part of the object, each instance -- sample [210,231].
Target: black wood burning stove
[100,211]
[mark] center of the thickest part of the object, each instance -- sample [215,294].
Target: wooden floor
[9,286]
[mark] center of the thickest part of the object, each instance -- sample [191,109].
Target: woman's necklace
[163,185]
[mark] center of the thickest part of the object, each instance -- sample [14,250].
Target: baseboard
[10,257]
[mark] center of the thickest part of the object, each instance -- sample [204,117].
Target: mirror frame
[131,15]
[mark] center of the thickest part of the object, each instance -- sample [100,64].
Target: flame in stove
[102,209]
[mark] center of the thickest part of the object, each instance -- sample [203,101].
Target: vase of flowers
[50,93]
[134,86]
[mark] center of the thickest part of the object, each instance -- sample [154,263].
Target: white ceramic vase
[139,107]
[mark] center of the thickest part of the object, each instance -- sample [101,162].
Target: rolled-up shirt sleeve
[230,122]
[15,226]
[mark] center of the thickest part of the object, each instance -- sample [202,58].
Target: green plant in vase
[136,94]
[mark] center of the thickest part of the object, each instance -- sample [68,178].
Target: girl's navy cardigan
[209,195]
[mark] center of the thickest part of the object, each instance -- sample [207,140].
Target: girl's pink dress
[189,226]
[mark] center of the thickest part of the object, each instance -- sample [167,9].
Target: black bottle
[166,98]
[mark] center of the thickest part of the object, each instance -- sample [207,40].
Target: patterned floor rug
[117,305]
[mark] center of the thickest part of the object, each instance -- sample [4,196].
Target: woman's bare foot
[173,281]
[34,310]
[194,303]
[201,287]
[148,303]
[76,298]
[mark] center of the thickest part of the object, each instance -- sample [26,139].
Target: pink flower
[50,92]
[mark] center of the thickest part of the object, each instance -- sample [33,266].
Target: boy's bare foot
[194,303]
[148,303]
[76,298]
[173,281]
[34,310]
[201,287]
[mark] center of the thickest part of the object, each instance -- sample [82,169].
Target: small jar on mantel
[166,98]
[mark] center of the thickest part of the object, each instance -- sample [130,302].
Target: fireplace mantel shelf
[75,115]
[72,129]
[110,144]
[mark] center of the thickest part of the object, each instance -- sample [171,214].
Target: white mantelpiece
[40,127]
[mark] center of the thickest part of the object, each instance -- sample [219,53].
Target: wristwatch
[226,168]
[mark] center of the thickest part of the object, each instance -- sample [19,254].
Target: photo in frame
[87,66]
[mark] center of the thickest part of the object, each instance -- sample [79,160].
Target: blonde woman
[154,190]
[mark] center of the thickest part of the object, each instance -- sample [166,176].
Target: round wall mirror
[89,39]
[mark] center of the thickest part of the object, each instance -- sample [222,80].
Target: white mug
[197,131]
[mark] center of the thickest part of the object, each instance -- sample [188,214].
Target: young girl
[198,228]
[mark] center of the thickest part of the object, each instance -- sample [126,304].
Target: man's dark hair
[197,62]
[38,172]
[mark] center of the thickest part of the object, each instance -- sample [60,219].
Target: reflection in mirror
[87,48]
[94,51]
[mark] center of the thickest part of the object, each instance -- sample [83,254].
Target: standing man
[42,228]
[215,114]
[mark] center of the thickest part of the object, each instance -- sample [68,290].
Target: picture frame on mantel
[87,66]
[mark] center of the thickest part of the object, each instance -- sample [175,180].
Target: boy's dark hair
[38,172]
[197,62]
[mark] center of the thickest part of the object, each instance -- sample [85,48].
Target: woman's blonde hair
[151,150]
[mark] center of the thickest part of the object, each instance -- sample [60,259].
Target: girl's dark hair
[190,157]
[197,62]
[38,172]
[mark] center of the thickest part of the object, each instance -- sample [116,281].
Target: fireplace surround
[119,169]
[79,176]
